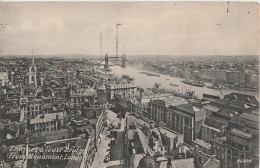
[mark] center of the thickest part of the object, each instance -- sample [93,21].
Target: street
[117,150]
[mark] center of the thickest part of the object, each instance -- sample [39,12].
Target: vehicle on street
[107,159]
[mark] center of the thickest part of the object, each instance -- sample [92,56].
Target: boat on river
[172,84]
[156,88]
[127,77]
[194,83]
[149,74]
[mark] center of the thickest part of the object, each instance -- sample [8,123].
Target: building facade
[120,88]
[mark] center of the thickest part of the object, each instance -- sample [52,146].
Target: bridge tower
[106,62]
[123,65]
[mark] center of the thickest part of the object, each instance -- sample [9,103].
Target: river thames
[145,81]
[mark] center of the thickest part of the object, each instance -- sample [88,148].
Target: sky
[148,28]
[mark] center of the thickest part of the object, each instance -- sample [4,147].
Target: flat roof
[202,143]
[241,133]
[168,133]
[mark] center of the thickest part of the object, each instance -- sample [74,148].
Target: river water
[148,82]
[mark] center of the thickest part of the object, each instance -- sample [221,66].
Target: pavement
[101,152]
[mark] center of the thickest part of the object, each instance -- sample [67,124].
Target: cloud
[180,28]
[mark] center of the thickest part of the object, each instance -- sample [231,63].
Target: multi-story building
[235,77]
[10,98]
[90,80]
[101,95]
[138,103]
[237,102]
[248,100]
[98,124]
[47,122]
[89,94]
[219,149]
[186,120]
[253,80]
[172,140]
[4,78]
[212,74]
[216,123]
[117,88]
[159,107]
[203,146]
[240,148]
[31,106]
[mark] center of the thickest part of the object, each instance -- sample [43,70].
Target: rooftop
[169,101]
[41,118]
[168,133]
[231,103]
[186,108]
[243,98]
[144,142]
[221,140]
[249,120]
[240,133]
[202,143]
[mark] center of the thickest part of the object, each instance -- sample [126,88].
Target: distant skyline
[148,28]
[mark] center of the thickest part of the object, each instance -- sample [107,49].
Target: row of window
[45,124]
[37,108]
[44,129]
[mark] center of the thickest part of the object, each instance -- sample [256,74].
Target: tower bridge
[116,57]
[107,58]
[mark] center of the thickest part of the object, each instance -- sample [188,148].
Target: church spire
[32,72]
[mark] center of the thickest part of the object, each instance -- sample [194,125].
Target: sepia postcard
[129,84]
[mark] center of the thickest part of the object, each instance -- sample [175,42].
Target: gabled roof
[211,108]
[221,103]
[243,98]
[226,113]
[245,119]
[249,117]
